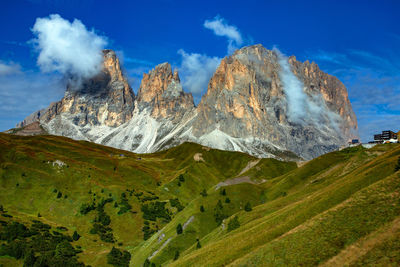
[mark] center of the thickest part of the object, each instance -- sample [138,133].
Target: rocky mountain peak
[156,82]
[161,91]
[105,99]
[258,101]
[248,97]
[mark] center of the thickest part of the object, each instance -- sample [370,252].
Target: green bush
[75,236]
[203,193]
[176,255]
[219,213]
[119,258]
[233,224]
[179,229]
[202,208]
[154,210]
[223,192]
[175,203]
[248,207]
[124,205]
[86,208]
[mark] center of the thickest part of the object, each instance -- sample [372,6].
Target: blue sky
[357,41]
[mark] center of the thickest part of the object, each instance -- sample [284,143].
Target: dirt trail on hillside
[249,165]
[361,247]
[238,180]
[186,224]
[242,179]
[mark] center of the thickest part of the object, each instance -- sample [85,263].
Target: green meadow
[195,206]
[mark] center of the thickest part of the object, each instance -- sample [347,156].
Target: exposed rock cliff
[247,99]
[105,99]
[161,91]
[258,102]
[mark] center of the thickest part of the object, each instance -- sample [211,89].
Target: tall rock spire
[162,93]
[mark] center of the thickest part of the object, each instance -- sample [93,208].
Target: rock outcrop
[258,102]
[161,91]
[247,100]
[106,99]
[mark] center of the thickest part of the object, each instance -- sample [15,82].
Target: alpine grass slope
[195,206]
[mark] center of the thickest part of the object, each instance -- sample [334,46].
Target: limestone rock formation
[162,92]
[106,99]
[247,100]
[258,102]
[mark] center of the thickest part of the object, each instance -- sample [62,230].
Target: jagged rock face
[258,102]
[242,95]
[106,99]
[332,90]
[162,93]
[247,99]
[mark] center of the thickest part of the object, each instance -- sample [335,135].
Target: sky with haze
[43,41]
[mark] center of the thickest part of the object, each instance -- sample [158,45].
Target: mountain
[258,102]
[339,209]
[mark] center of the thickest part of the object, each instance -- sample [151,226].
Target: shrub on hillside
[203,193]
[119,258]
[154,210]
[233,224]
[219,213]
[179,229]
[176,255]
[176,203]
[248,207]
[223,192]
[75,236]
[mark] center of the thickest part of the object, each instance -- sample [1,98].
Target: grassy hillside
[192,205]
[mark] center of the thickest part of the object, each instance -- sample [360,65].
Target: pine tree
[198,244]
[247,207]
[146,263]
[202,208]
[176,255]
[233,224]
[203,193]
[223,192]
[75,236]
[179,229]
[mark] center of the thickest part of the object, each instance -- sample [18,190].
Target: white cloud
[196,71]
[66,47]
[304,109]
[221,28]
[9,68]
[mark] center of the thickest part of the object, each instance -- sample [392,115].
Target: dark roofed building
[387,135]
